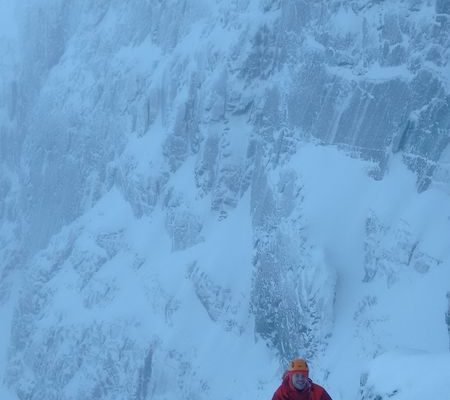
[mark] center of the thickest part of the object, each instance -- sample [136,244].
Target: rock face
[148,172]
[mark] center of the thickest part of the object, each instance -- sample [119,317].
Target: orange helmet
[299,364]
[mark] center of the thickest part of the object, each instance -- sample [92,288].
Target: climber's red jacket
[287,391]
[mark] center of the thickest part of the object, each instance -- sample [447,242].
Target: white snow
[408,375]
[409,314]
[113,268]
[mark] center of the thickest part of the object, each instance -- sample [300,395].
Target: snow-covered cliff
[192,192]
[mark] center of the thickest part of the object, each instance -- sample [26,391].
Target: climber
[296,384]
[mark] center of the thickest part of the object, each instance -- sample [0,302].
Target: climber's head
[298,372]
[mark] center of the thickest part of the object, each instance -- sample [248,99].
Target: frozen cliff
[194,191]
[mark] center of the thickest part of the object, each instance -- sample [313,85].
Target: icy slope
[410,375]
[112,311]
[174,221]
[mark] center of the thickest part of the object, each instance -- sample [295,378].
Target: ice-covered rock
[164,187]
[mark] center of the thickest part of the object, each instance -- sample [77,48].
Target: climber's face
[299,381]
